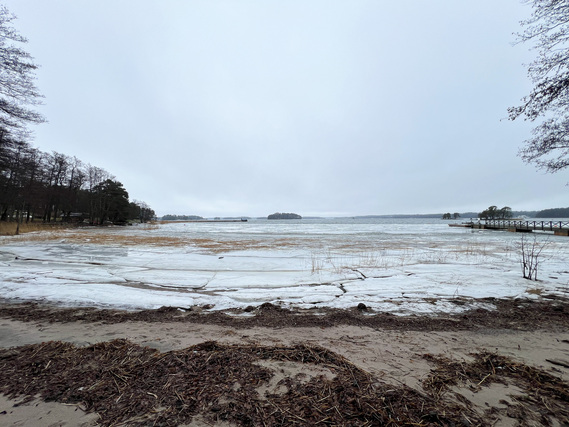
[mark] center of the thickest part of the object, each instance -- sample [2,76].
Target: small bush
[530,253]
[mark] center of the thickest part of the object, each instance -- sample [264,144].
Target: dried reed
[11,228]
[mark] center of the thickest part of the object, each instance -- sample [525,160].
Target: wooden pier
[559,228]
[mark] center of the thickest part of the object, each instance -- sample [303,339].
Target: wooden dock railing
[558,227]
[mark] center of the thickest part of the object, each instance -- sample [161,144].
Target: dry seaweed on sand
[545,397]
[127,384]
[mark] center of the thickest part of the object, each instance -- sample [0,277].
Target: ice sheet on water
[95,294]
[399,267]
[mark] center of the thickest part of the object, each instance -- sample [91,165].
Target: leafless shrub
[530,256]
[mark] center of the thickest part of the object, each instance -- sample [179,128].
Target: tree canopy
[17,88]
[447,215]
[39,185]
[494,213]
[548,30]
[54,186]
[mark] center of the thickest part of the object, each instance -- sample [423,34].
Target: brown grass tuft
[9,228]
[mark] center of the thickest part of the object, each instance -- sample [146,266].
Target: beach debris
[545,397]
[127,384]
[514,314]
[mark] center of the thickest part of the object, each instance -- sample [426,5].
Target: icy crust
[424,274]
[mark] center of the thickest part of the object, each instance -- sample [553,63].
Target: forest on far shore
[553,213]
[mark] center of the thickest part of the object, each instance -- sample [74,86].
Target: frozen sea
[393,265]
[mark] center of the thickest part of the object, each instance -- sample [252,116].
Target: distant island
[181,217]
[516,214]
[279,215]
[553,213]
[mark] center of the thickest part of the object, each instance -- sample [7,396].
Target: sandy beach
[409,356]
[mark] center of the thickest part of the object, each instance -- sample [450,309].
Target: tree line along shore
[40,186]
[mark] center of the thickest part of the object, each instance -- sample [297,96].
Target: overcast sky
[319,107]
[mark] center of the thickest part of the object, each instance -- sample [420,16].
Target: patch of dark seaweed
[517,314]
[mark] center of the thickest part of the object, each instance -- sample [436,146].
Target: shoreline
[495,313]
[386,352]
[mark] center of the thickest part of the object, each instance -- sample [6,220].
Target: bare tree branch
[548,30]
